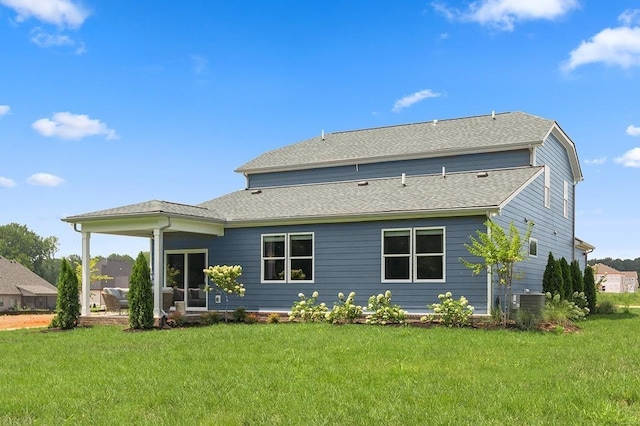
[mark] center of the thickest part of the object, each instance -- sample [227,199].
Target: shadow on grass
[616,316]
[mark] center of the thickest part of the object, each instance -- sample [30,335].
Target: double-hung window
[287,257]
[413,255]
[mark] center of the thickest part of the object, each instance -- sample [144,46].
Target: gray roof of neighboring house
[510,130]
[427,194]
[16,279]
[149,208]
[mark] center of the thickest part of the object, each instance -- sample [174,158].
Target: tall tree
[140,295]
[500,251]
[68,302]
[93,267]
[590,288]
[567,279]
[19,243]
[548,284]
[576,275]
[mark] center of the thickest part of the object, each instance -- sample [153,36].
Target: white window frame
[535,241]
[413,255]
[547,186]
[565,199]
[288,258]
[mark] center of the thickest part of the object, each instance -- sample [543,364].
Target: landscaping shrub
[273,318]
[307,310]
[606,307]
[383,311]
[567,279]
[526,320]
[67,304]
[562,312]
[140,295]
[251,318]
[240,314]
[211,317]
[452,313]
[344,310]
[590,288]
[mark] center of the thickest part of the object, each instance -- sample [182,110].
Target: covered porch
[151,220]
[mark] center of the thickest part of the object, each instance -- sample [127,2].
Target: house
[21,288]
[119,270]
[614,281]
[366,211]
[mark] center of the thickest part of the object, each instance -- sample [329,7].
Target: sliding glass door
[185,273]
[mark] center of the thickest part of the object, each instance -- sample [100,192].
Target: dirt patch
[24,321]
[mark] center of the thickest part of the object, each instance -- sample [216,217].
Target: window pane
[533,247]
[429,268]
[301,245]
[429,241]
[301,269]
[196,270]
[396,268]
[174,274]
[273,246]
[274,270]
[396,242]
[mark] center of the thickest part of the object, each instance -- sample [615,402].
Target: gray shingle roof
[430,194]
[16,279]
[149,208]
[419,140]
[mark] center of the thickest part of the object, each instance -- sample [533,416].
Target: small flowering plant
[383,311]
[452,313]
[307,310]
[344,310]
[226,279]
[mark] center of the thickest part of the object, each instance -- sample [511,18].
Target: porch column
[158,271]
[86,274]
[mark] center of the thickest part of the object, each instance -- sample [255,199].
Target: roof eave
[363,217]
[141,215]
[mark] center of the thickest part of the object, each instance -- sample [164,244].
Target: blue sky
[105,103]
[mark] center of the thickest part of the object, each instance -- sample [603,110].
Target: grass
[319,374]
[620,299]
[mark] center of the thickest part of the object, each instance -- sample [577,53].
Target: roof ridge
[422,122]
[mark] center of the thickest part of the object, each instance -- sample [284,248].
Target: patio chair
[115,299]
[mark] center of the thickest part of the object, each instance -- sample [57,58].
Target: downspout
[158,270]
[573,224]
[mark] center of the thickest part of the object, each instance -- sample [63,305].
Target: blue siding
[552,230]
[347,258]
[393,168]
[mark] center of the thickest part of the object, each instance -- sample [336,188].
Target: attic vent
[435,122]
[256,191]
[482,174]
[363,183]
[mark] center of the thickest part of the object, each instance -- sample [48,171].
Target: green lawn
[620,299]
[319,374]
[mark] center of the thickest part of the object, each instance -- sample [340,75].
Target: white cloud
[44,179]
[66,125]
[4,110]
[613,46]
[199,64]
[44,39]
[630,158]
[409,100]
[503,14]
[600,160]
[63,13]
[630,17]
[6,182]
[633,130]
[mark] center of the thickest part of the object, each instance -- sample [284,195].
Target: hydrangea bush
[383,311]
[344,310]
[307,309]
[452,313]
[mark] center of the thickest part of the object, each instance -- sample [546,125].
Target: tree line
[36,253]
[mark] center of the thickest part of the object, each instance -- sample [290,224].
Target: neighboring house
[118,270]
[21,288]
[366,211]
[614,281]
